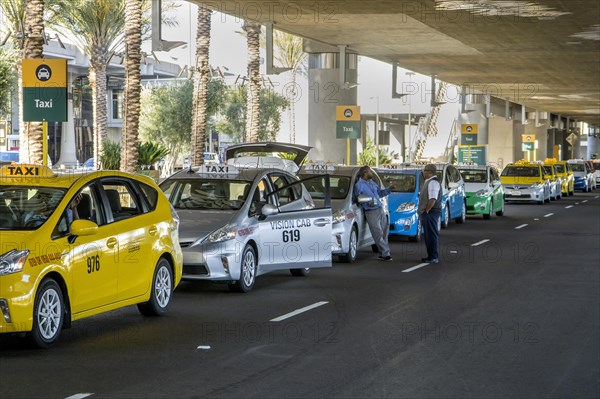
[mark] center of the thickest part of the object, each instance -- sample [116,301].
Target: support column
[326,92]
[68,154]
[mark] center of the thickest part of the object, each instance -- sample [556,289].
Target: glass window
[523,171]
[196,194]
[83,205]
[339,186]
[577,167]
[285,195]
[474,175]
[121,199]
[150,194]
[117,104]
[27,207]
[403,183]
[559,168]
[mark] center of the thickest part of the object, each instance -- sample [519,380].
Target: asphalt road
[513,311]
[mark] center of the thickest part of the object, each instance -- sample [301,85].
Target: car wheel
[488,215]
[48,314]
[463,216]
[162,290]
[417,237]
[300,272]
[446,220]
[248,272]
[501,211]
[350,257]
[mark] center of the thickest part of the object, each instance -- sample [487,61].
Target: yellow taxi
[79,244]
[564,172]
[526,181]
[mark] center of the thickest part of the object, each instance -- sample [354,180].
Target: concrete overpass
[543,55]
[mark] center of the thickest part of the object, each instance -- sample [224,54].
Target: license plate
[516,193]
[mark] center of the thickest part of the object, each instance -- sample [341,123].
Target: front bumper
[404,224]
[218,261]
[523,193]
[478,205]
[581,184]
[16,302]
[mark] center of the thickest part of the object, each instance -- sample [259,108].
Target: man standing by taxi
[430,212]
[374,212]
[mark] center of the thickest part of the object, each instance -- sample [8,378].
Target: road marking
[453,252]
[480,242]
[536,219]
[583,202]
[79,396]
[597,196]
[420,265]
[548,215]
[570,206]
[521,226]
[204,347]
[298,311]
[577,203]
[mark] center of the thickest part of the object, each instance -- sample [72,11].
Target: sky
[228,49]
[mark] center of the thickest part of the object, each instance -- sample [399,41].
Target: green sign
[347,129]
[527,146]
[474,153]
[45,104]
[468,139]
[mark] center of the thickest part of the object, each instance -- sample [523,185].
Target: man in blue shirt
[374,212]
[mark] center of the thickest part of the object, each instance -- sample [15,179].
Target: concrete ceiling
[544,54]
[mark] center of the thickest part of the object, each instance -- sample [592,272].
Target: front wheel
[463,216]
[350,257]
[501,211]
[488,215]
[48,314]
[248,272]
[417,237]
[446,220]
[162,290]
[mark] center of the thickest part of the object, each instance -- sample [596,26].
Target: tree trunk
[253,101]
[97,78]
[33,49]
[201,77]
[133,58]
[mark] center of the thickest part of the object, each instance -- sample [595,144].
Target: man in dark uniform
[430,212]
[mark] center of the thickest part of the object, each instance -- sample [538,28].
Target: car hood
[194,225]
[474,187]
[300,151]
[16,239]
[395,199]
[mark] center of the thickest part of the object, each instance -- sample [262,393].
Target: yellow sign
[45,72]
[528,138]
[26,170]
[469,128]
[347,113]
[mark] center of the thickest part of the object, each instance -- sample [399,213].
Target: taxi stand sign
[469,133]
[44,90]
[347,122]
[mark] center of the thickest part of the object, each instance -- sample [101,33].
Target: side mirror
[269,209]
[363,199]
[452,185]
[83,228]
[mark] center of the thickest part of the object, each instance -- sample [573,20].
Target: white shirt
[433,189]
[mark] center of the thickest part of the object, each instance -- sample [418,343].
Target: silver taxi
[238,223]
[350,230]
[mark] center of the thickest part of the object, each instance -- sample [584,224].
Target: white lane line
[597,196]
[480,242]
[420,265]
[204,347]
[536,219]
[584,201]
[453,252]
[577,203]
[570,206]
[521,226]
[548,215]
[298,311]
[79,396]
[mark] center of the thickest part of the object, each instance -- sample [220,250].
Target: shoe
[427,260]
[386,258]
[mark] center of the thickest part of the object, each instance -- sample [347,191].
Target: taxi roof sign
[26,171]
[218,170]
[320,167]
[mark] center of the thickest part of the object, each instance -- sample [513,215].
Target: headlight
[536,185]
[13,261]
[405,207]
[225,233]
[481,193]
[339,216]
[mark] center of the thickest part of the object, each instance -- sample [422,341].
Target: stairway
[428,125]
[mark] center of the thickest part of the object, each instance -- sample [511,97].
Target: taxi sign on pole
[347,121]
[468,134]
[528,138]
[44,90]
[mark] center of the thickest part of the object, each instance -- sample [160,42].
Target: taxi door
[91,260]
[296,239]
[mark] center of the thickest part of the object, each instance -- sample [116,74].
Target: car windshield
[559,168]
[578,167]
[521,171]
[474,175]
[196,194]
[26,207]
[339,186]
[596,165]
[402,183]
[548,170]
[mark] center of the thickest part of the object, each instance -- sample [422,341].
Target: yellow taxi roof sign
[522,162]
[26,170]
[550,160]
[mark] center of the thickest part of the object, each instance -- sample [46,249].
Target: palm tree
[14,12]
[133,58]
[201,78]
[252,30]
[97,26]
[290,54]
[33,49]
